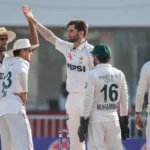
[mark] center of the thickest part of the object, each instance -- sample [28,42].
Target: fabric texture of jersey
[4,64]
[11,85]
[106,91]
[79,61]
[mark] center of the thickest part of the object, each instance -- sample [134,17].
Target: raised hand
[28,13]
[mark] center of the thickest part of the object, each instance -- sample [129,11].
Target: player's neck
[78,43]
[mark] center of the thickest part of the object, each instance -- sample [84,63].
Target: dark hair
[80,25]
[104,60]
[16,53]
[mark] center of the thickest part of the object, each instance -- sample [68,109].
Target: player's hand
[23,97]
[139,123]
[28,13]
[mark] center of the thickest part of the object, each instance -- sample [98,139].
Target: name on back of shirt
[108,78]
[107,106]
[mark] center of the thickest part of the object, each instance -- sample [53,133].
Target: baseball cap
[102,51]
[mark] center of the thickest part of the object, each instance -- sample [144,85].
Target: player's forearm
[124,105]
[88,102]
[87,108]
[33,34]
[139,102]
[47,34]
[89,96]
[141,90]
[124,97]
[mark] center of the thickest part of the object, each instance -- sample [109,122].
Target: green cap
[102,51]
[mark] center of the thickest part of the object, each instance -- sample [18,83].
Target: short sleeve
[62,46]
[23,67]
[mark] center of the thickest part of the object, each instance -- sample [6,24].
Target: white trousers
[148,133]
[74,107]
[15,132]
[104,136]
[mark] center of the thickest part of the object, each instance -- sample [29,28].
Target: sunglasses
[28,49]
[3,39]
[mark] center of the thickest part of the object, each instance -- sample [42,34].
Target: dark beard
[3,49]
[74,39]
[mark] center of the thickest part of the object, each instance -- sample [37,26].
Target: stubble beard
[3,49]
[74,39]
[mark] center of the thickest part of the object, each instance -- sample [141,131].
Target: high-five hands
[28,13]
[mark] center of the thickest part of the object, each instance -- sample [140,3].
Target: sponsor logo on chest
[76,67]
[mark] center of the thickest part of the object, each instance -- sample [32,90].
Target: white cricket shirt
[106,91]
[10,103]
[143,86]
[78,62]
[4,64]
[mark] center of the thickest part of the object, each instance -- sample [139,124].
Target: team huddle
[96,90]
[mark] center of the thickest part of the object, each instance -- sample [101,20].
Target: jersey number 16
[113,93]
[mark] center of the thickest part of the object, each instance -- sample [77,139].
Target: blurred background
[122,25]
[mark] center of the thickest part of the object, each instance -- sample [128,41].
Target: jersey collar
[80,48]
[103,65]
[5,55]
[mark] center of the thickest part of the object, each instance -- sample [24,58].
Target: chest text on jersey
[78,67]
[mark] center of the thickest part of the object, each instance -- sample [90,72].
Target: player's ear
[81,33]
[22,52]
[97,59]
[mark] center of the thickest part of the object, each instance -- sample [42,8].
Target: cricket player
[78,62]
[142,88]
[15,126]
[5,38]
[5,60]
[106,91]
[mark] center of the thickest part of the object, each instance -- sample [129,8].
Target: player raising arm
[79,62]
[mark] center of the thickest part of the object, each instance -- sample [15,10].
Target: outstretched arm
[47,34]
[33,33]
